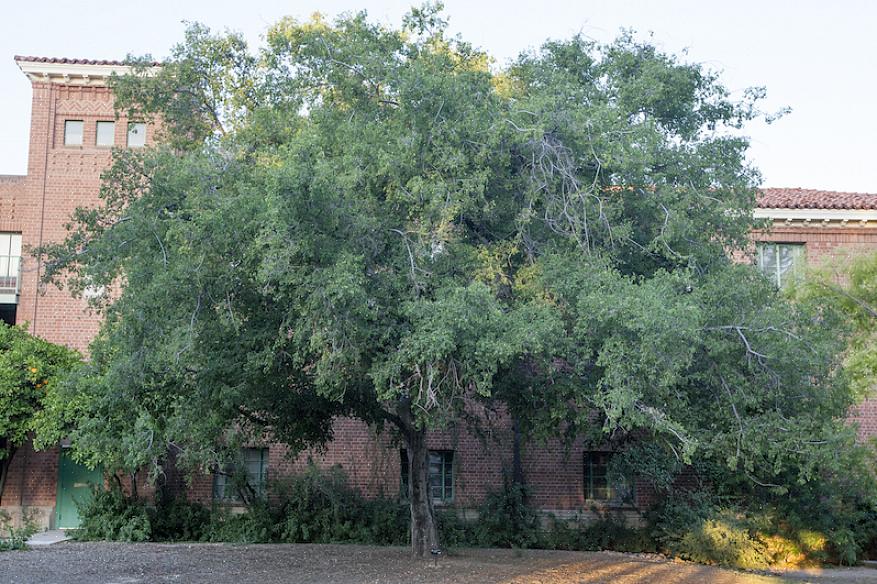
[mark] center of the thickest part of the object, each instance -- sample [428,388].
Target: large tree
[383,223]
[30,369]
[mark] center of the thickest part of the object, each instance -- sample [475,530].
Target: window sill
[609,504]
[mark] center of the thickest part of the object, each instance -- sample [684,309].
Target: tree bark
[517,465]
[134,494]
[424,530]
[5,463]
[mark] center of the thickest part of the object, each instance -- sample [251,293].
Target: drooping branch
[554,174]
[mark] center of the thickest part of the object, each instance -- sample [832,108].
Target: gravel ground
[114,563]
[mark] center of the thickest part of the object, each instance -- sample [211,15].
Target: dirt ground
[114,563]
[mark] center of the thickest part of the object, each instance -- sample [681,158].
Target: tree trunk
[5,463]
[424,531]
[517,465]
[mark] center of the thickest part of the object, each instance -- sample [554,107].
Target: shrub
[314,507]
[176,519]
[455,531]
[14,538]
[110,515]
[387,522]
[609,532]
[697,527]
[318,506]
[256,525]
[703,528]
[506,520]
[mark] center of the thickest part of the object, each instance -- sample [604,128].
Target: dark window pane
[440,479]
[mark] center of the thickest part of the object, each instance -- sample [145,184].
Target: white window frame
[10,264]
[97,134]
[134,129]
[780,278]
[67,135]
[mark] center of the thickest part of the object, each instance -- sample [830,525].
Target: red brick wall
[824,243]
[11,199]
[32,478]
[371,460]
[60,179]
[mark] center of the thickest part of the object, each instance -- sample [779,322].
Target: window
[136,135]
[601,485]
[73,132]
[10,263]
[441,475]
[105,133]
[781,262]
[597,484]
[228,483]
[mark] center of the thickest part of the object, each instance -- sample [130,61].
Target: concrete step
[48,537]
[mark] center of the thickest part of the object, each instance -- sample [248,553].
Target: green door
[74,486]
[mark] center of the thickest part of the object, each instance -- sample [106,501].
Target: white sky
[816,56]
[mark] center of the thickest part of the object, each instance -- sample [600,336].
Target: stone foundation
[18,516]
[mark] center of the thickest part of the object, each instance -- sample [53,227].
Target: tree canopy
[383,223]
[30,368]
[848,283]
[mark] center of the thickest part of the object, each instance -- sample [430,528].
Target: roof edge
[63,71]
[851,217]
[74,61]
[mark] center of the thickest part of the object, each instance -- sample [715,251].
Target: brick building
[73,128]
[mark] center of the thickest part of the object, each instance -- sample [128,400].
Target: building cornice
[92,75]
[811,217]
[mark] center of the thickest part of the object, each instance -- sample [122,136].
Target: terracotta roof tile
[785,198]
[69,61]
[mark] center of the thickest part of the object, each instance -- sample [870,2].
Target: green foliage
[849,284]
[319,507]
[455,531]
[30,369]
[314,507]
[700,530]
[650,462]
[258,524]
[14,538]
[609,531]
[812,526]
[111,515]
[374,222]
[175,519]
[505,519]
